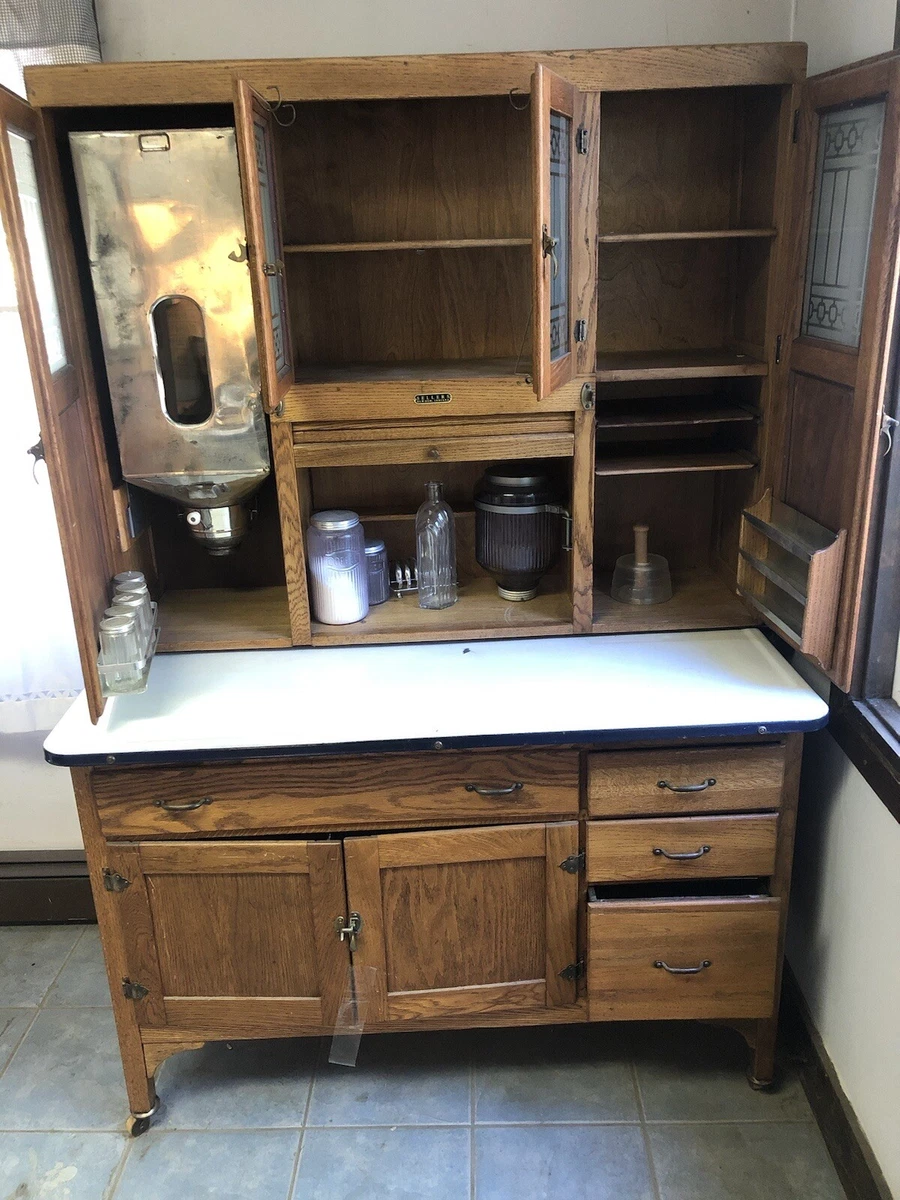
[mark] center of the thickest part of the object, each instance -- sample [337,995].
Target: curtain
[39,668]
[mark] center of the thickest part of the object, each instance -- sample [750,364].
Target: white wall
[842,31]
[37,806]
[173,29]
[843,941]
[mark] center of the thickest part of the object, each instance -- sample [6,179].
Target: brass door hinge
[573,864]
[581,140]
[580,330]
[573,971]
[587,397]
[113,881]
[134,991]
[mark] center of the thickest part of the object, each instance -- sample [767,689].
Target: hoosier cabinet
[662,279]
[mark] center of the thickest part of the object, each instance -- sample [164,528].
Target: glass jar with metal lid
[520,524]
[337,567]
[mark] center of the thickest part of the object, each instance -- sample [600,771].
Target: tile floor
[657,1112]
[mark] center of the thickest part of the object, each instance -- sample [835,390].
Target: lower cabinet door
[675,959]
[463,923]
[234,936]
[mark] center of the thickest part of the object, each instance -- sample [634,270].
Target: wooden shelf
[681,416]
[224,619]
[367,247]
[700,600]
[668,464]
[790,529]
[479,613]
[621,367]
[405,372]
[693,235]
[783,570]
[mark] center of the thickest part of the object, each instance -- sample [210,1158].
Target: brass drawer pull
[494,791]
[683,970]
[682,855]
[686,787]
[183,807]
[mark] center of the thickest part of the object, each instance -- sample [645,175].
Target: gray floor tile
[13,1024]
[66,1074]
[694,1072]
[399,1079]
[743,1162]
[70,1166]
[603,1162]
[237,1165]
[566,1073]
[252,1085]
[30,959]
[384,1164]
[82,981]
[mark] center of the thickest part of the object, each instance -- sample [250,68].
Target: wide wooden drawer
[681,848]
[654,960]
[318,794]
[714,779]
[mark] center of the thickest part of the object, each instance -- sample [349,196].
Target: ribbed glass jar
[337,567]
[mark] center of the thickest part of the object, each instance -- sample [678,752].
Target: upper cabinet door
[31,208]
[830,386]
[262,212]
[555,144]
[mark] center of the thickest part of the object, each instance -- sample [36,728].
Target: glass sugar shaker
[337,567]
[377,571]
[436,550]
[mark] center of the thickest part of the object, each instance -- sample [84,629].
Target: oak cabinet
[466,923]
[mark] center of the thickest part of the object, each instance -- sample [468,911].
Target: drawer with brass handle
[634,783]
[702,959]
[312,795]
[660,848]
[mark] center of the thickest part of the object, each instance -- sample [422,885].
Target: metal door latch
[573,971]
[581,140]
[113,881]
[350,930]
[573,864]
[134,991]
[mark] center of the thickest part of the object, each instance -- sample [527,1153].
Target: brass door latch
[350,930]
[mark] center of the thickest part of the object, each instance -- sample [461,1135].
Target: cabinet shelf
[478,613]
[785,572]
[224,619]
[788,528]
[406,372]
[623,366]
[661,464]
[680,416]
[700,600]
[420,244]
[692,235]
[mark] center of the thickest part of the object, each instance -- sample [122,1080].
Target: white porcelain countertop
[540,690]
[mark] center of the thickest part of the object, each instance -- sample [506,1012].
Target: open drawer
[695,958]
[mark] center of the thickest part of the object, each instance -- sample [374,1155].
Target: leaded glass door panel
[554,146]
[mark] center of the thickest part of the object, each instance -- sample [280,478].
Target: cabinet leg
[761,1075]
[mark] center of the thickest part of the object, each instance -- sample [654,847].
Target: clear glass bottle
[436,551]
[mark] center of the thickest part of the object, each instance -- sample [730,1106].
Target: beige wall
[842,31]
[843,939]
[37,806]
[137,29]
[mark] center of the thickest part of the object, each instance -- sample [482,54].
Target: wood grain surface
[626,851]
[626,783]
[739,938]
[284,795]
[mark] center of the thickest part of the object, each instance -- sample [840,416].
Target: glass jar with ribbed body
[436,551]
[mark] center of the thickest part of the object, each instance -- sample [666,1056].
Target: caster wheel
[137,1125]
[763,1085]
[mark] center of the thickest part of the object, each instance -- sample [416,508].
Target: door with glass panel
[555,144]
[825,433]
[44,274]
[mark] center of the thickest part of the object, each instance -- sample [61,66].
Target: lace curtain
[39,670]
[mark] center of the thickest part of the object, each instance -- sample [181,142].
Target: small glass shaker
[139,608]
[119,647]
[129,577]
[377,571]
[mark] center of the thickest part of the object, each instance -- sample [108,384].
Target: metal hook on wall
[518,91]
[276,107]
